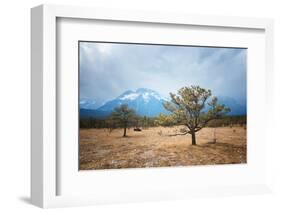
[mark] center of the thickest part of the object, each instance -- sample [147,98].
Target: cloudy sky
[109,69]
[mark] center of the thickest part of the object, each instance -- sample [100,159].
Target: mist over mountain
[236,107]
[145,102]
[87,103]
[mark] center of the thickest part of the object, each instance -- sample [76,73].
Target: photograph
[161,105]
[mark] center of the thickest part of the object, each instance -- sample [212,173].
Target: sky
[109,69]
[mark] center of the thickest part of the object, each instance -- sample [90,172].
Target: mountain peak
[88,103]
[126,93]
[147,102]
[142,90]
[140,93]
[144,101]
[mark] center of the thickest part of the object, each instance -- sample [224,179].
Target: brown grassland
[155,147]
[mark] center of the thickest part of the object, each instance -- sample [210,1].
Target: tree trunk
[193,138]
[125,129]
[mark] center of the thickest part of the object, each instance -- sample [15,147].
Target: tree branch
[180,134]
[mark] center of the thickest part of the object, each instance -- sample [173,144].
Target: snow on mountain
[132,96]
[146,102]
[87,103]
[146,94]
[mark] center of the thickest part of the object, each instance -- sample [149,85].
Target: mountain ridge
[147,102]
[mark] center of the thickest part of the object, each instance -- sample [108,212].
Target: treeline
[146,122]
[238,120]
[143,122]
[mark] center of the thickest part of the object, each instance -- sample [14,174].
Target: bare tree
[123,115]
[188,108]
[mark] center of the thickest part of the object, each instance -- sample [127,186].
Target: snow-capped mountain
[87,103]
[145,102]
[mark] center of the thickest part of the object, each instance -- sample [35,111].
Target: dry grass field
[154,147]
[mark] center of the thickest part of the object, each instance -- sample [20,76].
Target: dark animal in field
[137,129]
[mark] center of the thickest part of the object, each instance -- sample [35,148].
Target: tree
[145,122]
[123,115]
[110,124]
[165,120]
[188,108]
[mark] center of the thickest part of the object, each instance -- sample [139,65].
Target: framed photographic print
[129,120]
[130,106]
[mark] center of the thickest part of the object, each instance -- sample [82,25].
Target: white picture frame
[44,84]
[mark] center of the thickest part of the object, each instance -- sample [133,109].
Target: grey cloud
[106,72]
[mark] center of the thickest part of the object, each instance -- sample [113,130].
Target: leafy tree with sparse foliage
[165,120]
[188,108]
[123,115]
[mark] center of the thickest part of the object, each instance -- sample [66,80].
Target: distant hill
[145,102]
[236,107]
[87,103]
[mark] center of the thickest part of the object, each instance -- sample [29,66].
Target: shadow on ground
[24,199]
